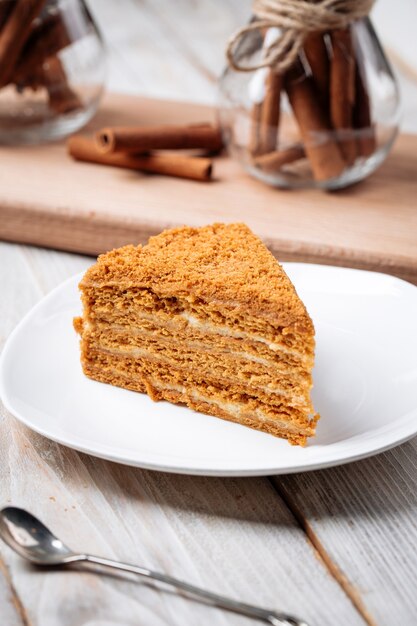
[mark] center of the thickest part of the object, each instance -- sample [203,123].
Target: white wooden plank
[49,268]
[199,30]
[120,78]
[11,611]
[395,24]
[233,536]
[365,516]
[18,292]
[159,68]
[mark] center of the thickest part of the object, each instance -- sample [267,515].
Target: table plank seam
[333,569]
[17,602]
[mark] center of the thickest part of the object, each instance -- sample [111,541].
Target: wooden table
[334,546]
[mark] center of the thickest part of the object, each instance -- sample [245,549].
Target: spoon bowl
[25,534]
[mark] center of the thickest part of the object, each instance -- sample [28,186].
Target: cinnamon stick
[366,142]
[62,99]
[318,59]
[46,40]
[5,9]
[273,161]
[144,138]
[195,168]
[255,118]
[14,35]
[342,91]
[269,118]
[325,158]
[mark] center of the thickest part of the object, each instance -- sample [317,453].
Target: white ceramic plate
[365,386]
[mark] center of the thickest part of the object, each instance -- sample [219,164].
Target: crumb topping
[223,263]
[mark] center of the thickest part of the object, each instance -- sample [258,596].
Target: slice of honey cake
[204,317]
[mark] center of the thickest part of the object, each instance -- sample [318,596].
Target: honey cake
[204,317]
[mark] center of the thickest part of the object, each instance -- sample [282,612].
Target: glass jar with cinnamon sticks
[308,109]
[52,67]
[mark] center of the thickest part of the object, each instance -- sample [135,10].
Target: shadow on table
[376,488]
[381,486]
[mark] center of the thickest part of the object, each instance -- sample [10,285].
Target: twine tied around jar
[295,19]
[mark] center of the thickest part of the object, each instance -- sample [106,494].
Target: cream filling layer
[201,346]
[212,329]
[240,411]
[220,329]
[297,401]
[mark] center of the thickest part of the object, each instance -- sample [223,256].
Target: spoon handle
[270,617]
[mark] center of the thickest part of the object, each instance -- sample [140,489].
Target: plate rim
[408,430]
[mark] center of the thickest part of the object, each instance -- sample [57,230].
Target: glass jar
[52,69]
[327,122]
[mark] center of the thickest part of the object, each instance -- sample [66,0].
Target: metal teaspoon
[25,534]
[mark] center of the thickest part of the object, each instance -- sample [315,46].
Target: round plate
[365,386]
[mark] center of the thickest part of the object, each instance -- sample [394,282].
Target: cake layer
[169,374]
[230,367]
[162,325]
[213,337]
[236,364]
[130,305]
[275,393]
[280,421]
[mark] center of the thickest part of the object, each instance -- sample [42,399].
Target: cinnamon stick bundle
[325,158]
[135,140]
[329,98]
[195,168]
[29,48]
[14,35]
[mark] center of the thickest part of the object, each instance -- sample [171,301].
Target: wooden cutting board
[49,200]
